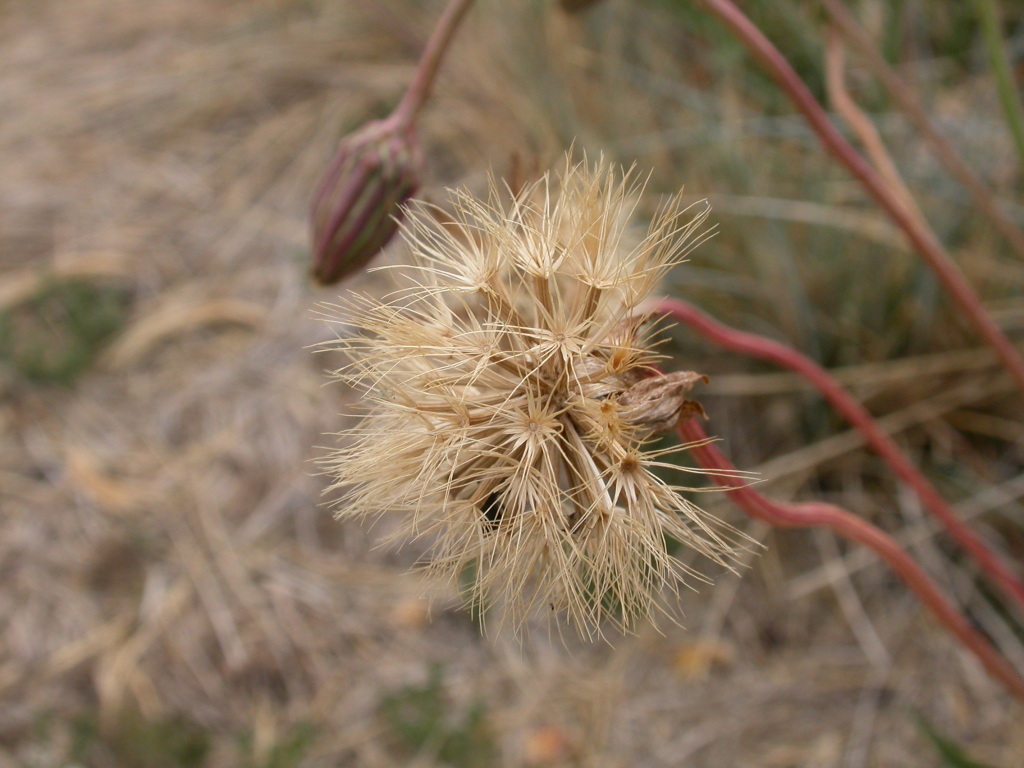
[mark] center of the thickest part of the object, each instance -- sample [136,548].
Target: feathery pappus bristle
[511,390]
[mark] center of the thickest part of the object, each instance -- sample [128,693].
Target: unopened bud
[358,204]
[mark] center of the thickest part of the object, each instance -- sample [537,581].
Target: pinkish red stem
[942,147]
[858,416]
[426,71]
[919,234]
[853,528]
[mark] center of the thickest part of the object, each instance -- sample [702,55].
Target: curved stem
[919,234]
[426,71]
[853,528]
[870,139]
[858,416]
[908,102]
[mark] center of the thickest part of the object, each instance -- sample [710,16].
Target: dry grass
[171,579]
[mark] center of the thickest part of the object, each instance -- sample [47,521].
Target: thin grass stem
[1009,97]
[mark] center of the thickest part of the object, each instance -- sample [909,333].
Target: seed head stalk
[852,528]
[857,415]
[920,235]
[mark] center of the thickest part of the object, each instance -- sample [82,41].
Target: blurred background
[173,589]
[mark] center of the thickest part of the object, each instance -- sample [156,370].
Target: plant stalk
[430,62]
[858,416]
[944,150]
[852,528]
[920,235]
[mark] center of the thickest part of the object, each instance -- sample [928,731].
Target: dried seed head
[511,390]
[358,204]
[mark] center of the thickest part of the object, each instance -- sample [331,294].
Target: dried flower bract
[511,391]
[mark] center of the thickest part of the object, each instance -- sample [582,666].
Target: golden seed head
[511,390]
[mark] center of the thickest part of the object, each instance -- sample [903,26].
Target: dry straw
[511,394]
